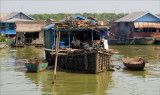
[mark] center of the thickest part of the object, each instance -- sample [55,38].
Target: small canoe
[135,63]
[36,65]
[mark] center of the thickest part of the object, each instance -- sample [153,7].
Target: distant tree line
[100,16]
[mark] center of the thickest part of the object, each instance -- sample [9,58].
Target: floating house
[92,59]
[29,33]
[137,28]
[7,22]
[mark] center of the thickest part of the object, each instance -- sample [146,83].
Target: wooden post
[92,35]
[109,61]
[69,39]
[56,57]
[100,36]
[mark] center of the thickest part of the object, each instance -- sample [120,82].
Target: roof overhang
[146,25]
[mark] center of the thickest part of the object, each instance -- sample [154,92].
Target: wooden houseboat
[136,28]
[92,59]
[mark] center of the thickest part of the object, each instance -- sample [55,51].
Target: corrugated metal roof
[6,16]
[16,19]
[158,15]
[132,16]
[48,27]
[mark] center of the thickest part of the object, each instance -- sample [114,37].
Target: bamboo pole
[56,57]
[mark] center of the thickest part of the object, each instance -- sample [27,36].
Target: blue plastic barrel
[61,44]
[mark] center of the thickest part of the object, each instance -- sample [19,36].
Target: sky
[79,6]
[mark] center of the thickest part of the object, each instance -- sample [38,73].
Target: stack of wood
[78,24]
[66,51]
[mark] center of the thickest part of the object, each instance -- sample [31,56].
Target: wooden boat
[36,65]
[135,63]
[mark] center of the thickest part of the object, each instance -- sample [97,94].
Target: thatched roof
[29,26]
[5,16]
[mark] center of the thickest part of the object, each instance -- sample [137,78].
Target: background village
[19,30]
[134,28]
[138,28]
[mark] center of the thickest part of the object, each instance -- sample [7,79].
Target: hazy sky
[79,6]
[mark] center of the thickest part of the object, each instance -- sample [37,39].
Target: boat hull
[89,62]
[136,67]
[32,67]
[144,41]
[118,42]
[133,41]
[137,64]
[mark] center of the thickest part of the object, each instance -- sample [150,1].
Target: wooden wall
[123,30]
[48,38]
[39,40]
[20,35]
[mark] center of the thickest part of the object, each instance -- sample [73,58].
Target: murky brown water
[15,81]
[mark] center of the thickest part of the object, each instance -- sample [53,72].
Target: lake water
[15,81]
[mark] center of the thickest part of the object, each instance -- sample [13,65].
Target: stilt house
[29,33]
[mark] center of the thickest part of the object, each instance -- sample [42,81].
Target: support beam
[56,57]
[69,38]
[54,39]
[92,35]
[100,35]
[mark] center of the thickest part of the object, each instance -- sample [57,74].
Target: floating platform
[133,41]
[23,45]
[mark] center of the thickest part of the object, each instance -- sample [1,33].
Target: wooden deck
[23,45]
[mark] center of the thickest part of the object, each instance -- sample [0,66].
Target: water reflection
[69,83]
[29,52]
[149,52]
[16,81]
[142,74]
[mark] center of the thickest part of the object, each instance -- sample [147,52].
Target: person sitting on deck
[75,43]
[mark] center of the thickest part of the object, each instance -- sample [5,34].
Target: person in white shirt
[105,39]
[75,43]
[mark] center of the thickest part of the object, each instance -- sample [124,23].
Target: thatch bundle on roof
[29,26]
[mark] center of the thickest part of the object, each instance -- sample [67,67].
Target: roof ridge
[132,16]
